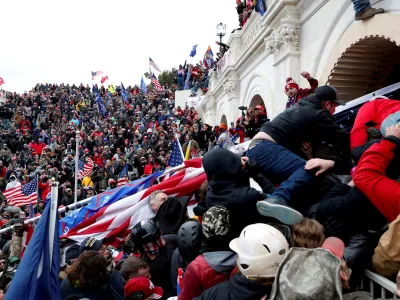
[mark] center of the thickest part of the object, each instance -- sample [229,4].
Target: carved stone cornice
[231,87]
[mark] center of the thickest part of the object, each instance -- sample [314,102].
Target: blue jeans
[181,83]
[278,164]
[360,5]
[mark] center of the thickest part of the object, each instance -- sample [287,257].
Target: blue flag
[37,275]
[193,52]
[123,93]
[143,86]
[106,198]
[124,171]
[100,104]
[176,158]
[260,7]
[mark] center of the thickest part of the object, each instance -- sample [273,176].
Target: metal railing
[378,286]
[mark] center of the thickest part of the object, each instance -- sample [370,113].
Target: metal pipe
[78,204]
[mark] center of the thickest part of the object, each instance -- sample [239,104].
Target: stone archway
[365,58]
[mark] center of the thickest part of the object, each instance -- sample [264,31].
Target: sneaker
[274,208]
[368,13]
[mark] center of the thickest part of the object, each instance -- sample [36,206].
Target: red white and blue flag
[123,176]
[97,73]
[156,82]
[23,194]
[153,64]
[85,169]
[113,222]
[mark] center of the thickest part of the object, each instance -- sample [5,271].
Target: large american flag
[23,194]
[153,64]
[156,83]
[115,221]
[176,157]
[85,169]
[97,73]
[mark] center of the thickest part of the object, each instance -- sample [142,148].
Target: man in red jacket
[370,176]
[295,93]
[371,114]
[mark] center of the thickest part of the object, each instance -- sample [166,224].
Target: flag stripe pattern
[85,169]
[22,194]
[97,73]
[153,64]
[114,221]
[156,82]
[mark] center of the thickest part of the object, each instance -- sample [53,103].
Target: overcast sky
[63,41]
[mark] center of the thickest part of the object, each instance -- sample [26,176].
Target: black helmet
[189,240]
[145,232]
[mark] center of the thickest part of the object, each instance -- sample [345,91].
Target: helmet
[260,249]
[146,231]
[189,240]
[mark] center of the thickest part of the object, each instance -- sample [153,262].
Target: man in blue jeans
[277,149]
[364,10]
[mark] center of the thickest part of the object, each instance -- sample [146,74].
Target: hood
[221,261]
[224,167]
[311,274]
[245,289]
[310,101]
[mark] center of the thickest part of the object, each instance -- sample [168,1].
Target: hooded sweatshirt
[229,186]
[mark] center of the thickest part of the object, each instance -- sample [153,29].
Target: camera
[242,108]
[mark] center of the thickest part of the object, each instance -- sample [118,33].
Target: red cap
[335,246]
[143,286]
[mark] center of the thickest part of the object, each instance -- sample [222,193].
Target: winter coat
[236,288]
[95,293]
[229,186]
[370,177]
[206,271]
[371,114]
[306,121]
[303,93]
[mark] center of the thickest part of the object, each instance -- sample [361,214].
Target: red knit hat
[290,83]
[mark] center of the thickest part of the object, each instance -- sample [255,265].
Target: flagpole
[80,203]
[77,137]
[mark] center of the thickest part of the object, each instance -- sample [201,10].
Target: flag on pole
[143,86]
[260,6]
[85,169]
[1,81]
[124,93]
[156,83]
[100,104]
[114,222]
[176,157]
[209,51]
[97,73]
[37,275]
[23,194]
[123,175]
[153,64]
[104,79]
[97,202]
[193,52]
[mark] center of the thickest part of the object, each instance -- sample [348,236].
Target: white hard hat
[260,249]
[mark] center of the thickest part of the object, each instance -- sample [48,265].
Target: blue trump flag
[124,171]
[123,93]
[37,275]
[100,104]
[106,198]
[260,7]
[143,86]
[193,52]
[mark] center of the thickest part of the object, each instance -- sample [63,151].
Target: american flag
[121,178]
[156,83]
[23,194]
[176,157]
[115,221]
[153,64]
[97,73]
[85,169]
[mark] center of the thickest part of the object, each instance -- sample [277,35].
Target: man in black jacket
[277,150]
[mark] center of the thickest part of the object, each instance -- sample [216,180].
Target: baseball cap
[90,243]
[327,93]
[335,246]
[142,288]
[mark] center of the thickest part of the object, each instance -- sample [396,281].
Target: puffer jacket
[206,271]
